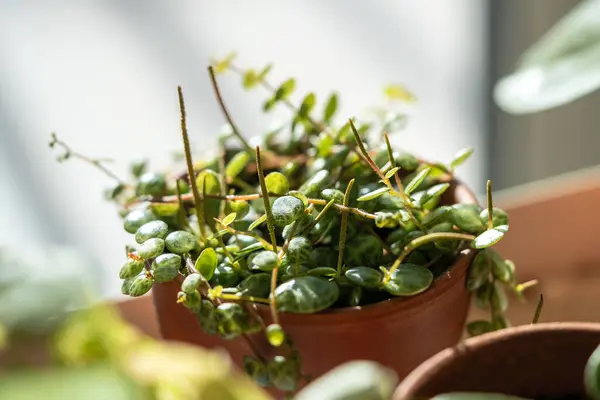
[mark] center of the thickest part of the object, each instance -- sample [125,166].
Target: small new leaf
[398,92]
[330,108]
[207,263]
[223,65]
[249,79]
[416,181]
[257,223]
[263,74]
[374,194]
[307,105]
[229,219]
[285,90]
[391,172]
[237,164]
[461,157]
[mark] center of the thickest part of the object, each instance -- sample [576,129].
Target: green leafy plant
[319,215]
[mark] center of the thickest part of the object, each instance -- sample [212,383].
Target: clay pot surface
[534,361]
[399,333]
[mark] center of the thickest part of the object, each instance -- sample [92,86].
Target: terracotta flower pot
[399,333]
[534,361]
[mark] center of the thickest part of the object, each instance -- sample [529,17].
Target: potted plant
[558,360]
[313,248]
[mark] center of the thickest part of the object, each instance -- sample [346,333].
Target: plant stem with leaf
[343,227]
[418,242]
[234,127]
[271,228]
[96,162]
[198,199]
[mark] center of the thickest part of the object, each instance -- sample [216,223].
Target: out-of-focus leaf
[396,91]
[352,380]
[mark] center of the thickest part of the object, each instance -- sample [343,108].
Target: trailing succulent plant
[327,216]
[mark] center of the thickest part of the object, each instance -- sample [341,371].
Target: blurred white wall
[103,75]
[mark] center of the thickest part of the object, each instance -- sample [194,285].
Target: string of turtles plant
[324,217]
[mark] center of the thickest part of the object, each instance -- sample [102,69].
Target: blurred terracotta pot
[533,361]
[399,333]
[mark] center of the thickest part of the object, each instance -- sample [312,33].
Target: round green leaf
[498,298]
[206,317]
[241,208]
[166,267]
[306,294]
[231,320]
[488,238]
[479,271]
[152,184]
[180,242]
[152,229]
[140,286]
[299,249]
[499,217]
[364,277]
[264,261]
[151,248]
[191,300]
[236,165]
[225,275]
[277,183]
[467,219]
[482,296]
[287,209]
[409,280]
[502,270]
[131,269]
[126,285]
[191,283]
[165,274]
[256,285]
[138,217]
[363,250]
[333,194]
[436,216]
[207,263]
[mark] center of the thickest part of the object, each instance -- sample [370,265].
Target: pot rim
[429,367]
